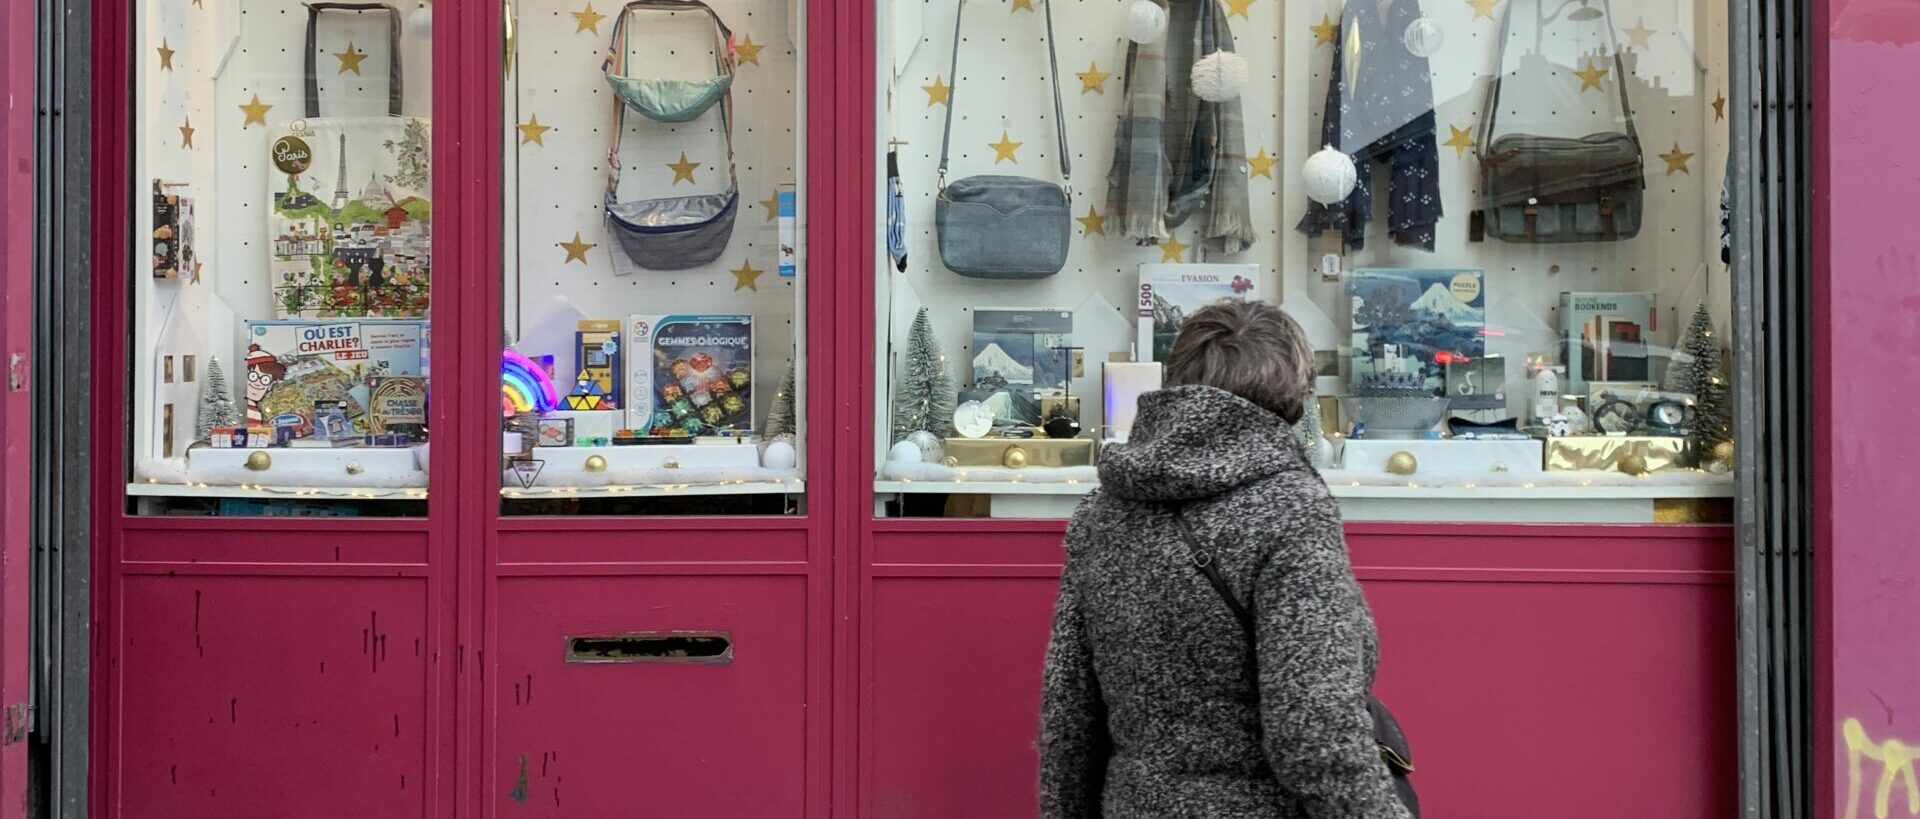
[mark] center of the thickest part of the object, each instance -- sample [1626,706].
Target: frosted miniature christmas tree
[925,398]
[1696,371]
[1308,429]
[780,418]
[216,403]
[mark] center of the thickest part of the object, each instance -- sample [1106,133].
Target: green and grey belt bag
[1004,227]
[678,232]
[1544,189]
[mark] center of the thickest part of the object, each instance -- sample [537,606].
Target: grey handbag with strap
[1004,227]
[1541,189]
[1387,735]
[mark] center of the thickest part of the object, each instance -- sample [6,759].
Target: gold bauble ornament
[1723,452]
[259,461]
[1632,463]
[354,468]
[1402,463]
[596,463]
[1014,458]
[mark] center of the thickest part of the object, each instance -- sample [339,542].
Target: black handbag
[1004,227]
[1386,730]
[1541,189]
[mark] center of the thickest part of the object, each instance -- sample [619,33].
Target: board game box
[1170,292]
[690,374]
[293,364]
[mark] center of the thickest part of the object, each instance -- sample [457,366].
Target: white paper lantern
[932,449]
[1146,21]
[1423,37]
[1329,176]
[905,452]
[779,455]
[1219,77]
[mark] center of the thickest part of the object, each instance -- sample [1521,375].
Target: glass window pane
[279,330]
[654,278]
[1514,306]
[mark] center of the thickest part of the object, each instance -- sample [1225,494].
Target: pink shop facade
[652,455]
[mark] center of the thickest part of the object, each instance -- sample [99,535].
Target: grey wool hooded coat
[1148,707]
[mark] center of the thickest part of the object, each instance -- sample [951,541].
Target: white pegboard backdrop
[225,53]
[1002,86]
[555,185]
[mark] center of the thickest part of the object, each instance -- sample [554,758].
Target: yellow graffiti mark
[1896,761]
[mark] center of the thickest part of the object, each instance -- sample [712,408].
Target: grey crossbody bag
[1004,227]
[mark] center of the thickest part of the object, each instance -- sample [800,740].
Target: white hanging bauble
[1219,77]
[905,452]
[932,449]
[1423,37]
[1146,21]
[1329,176]
[420,22]
[779,455]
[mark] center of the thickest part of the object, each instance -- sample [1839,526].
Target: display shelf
[793,486]
[1637,490]
[201,490]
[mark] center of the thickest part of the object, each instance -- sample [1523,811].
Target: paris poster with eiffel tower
[352,227]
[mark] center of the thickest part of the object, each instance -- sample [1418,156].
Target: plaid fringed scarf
[1176,155]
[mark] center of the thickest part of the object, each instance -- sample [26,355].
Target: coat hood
[1194,442]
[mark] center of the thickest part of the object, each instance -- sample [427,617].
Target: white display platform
[1448,457]
[343,468]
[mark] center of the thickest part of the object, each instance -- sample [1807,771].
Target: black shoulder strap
[395,86]
[1203,561]
[1053,74]
[1491,107]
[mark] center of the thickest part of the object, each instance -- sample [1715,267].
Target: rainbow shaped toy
[525,386]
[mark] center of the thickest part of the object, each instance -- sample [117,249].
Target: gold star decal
[576,249]
[1325,31]
[256,112]
[772,204]
[1004,149]
[1261,164]
[1677,160]
[747,51]
[587,20]
[1639,35]
[186,132]
[745,277]
[1172,250]
[1483,8]
[683,170]
[1092,224]
[166,56]
[1719,106]
[1238,7]
[350,59]
[1093,79]
[939,93]
[532,131]
[1591,76]
[1460,141]
[1023,4]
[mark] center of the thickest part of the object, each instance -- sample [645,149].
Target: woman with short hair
[1153,705]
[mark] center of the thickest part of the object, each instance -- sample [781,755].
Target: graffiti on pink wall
[1895,761]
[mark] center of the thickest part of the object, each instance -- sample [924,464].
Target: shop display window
[655,273]
[281,288]
[1499,222]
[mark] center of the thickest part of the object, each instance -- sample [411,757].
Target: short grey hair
[1249,348]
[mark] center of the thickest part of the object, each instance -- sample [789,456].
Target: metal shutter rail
[1772,292]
